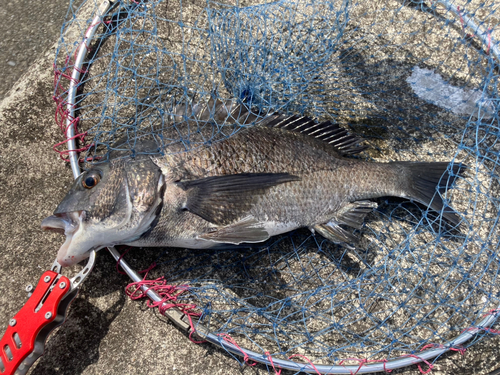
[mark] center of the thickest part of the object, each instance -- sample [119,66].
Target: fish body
[282,174]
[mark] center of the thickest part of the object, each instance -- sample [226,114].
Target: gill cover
[112,203]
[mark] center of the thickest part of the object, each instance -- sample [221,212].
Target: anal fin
[334,233]
[354,213]
[246,230]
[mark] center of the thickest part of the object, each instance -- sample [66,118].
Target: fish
[282,173]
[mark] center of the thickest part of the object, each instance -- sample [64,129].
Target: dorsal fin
[327,131]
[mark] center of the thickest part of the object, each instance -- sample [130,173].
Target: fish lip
[66,223]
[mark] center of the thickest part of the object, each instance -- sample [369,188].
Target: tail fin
[425,178]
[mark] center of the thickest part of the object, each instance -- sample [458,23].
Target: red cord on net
[383,361]
[80,136]
[467,35]
[62,113]
[457,348]
[246,358]
[361,363]
[229,339]
[430,365]
[486,329]
[270,359]
[168,293]
[489,41]
[307,359]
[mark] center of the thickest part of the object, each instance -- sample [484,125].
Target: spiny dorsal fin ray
[327,131]
[231,111]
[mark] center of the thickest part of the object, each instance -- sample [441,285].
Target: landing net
[417,80]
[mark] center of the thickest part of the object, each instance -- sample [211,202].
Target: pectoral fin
[223,199]
[246,230]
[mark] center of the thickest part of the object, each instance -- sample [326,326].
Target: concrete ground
[105,333]
[28,29]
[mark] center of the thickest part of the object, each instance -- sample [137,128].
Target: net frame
[176,316]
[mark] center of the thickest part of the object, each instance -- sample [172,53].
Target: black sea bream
[281,174]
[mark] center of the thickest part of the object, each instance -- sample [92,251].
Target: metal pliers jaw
[24,341]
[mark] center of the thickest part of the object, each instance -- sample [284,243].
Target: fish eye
[91,180]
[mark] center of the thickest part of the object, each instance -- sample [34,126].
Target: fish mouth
[67,223]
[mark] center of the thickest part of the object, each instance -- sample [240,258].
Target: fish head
[111,203]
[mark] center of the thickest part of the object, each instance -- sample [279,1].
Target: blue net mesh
[418,80]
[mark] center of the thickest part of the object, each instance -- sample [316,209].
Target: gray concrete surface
[105,333]
[28,28]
